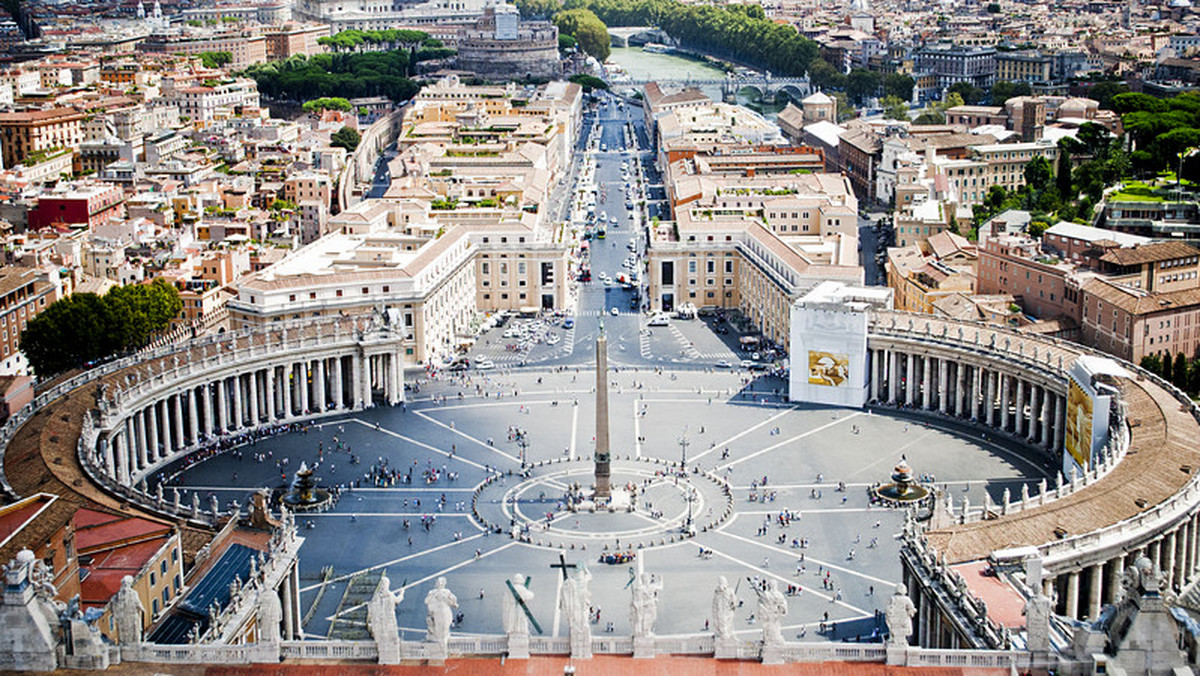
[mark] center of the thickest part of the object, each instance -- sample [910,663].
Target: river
[647,65]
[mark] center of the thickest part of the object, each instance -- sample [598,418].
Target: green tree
[215,59]
[589,82]
[1062,177]
[1036,228]
[327,103]
[567,43]
[825,76]
[1152,363]
[894,108]
[993,8]
[538,9]
[1038,174]
[346,137]
[862,84]
[1179,371]
[587,29]
[1004,90]
[970,94]
[1103,92]
[1167,371]
[84,327]
[899,85]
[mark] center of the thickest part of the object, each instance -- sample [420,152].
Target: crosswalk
[605,313]
[686,348]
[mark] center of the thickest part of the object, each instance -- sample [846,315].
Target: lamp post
[683,446]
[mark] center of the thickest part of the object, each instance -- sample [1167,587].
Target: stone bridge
[626,36]
[731,85]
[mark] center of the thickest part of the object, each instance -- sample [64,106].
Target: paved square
[409,476]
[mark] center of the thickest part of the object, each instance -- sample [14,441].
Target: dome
[821,98]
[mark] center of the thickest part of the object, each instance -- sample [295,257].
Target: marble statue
[515,621]
[899,613]
[381,620]
[270,615]
[439,612]
[643,605]
[724,602]
[127,613]
[576,603]
[772,607]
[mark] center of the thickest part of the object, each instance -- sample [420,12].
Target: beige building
[921,275]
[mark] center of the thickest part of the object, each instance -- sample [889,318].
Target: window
[339,293]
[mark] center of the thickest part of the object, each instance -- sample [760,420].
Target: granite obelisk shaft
[603,470]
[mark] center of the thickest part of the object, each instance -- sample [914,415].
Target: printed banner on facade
[828,369]
[1079,424]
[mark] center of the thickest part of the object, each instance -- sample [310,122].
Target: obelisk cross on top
[603,469]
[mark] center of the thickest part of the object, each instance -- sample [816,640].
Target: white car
[484,364]
[659,320]
[614,312]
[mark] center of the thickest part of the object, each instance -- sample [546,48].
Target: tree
[1179,371]
[1167,372]
[899,85]
[1038,174]
[215,59]
[85,327]
[894,108]
[327,103]
[588,29]
[825,76]
[845,111]
[1062,177]
[993,8]
[930,115]
[970,94]
[861,84]
[538,9]
[1004,90]
[589,82]
[1103,92]
[346,137]
[1036,228]
[567,43]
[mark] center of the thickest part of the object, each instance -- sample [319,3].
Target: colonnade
[238,398]
[1088,586]
[999,395]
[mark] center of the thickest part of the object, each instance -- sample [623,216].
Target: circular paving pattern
[657,505]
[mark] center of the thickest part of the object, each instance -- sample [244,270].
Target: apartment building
[84,205]
[921,275]
[1024,66]
[1132,323]
[24,292]
[209,102]
[30,133]
[245,47]
[952,63]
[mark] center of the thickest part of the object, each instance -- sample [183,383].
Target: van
[660,319]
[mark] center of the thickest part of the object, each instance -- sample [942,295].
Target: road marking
[385,564]
[469,437]
[574,429]
[766,573]
[420,444]
[789,553]
[790,440]
[746,431]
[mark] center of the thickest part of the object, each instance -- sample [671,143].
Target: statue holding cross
[517,616]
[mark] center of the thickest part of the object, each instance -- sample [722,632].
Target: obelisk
[603,470]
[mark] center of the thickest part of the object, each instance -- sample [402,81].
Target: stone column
[151,413]
[339,398]
[893,378]
[177,402]
[110,461]
[238,417]
[1005,385]
[1047,416]
[1167,556]
[193,419]
[395,378]
[1095,586]
[875,371]
[977,393]
[206,405]
[162,409]
[1072,609]
[304,388]
[910,380]
[222,407]
[926,382]
[286,597]
[269,400]
[252,384]
[943,386]
[989,398]
[124,452]
[1019,425]
[319,385]
[1060,411]
[960,375]
[366,380]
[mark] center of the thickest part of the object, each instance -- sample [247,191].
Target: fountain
[305,495]
[903,491]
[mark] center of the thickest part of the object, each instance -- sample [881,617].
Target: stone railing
[968,659]
[329,650]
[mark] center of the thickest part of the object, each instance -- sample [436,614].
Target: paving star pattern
[450,446]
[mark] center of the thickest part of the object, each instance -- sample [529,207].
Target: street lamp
[523,443]
[683,446]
